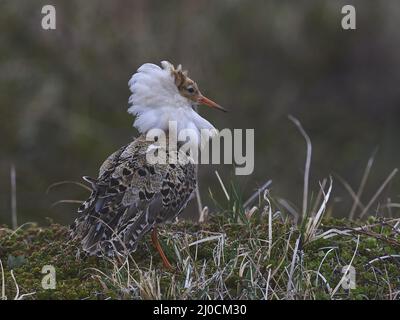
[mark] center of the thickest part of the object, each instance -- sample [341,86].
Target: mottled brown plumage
[130,197]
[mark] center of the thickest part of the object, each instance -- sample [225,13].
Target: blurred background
[64,93]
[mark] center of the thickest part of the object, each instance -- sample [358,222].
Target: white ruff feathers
[155,101]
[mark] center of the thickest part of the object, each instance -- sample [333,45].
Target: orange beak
[210,103]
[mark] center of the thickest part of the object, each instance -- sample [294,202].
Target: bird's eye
[190,89]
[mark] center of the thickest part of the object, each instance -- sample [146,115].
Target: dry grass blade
[314,222]
[290,285]
[344,277]
[290,209]
[390,256]
[3,282]
[198,196]
[16,285]
[321,263]
[307,163]
[67,182]
[332,233]
[212,238]
[66,201]
[392,205]
[356,200]
[256,194]
[13,232]
[318,199]
[362,185]
[376,195]
[222,185]
[269,222]
[199,203]
[203,215]
[13,197]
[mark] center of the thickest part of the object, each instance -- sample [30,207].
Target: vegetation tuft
[263,248]
[264,257]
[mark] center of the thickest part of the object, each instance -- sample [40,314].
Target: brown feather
[130,196]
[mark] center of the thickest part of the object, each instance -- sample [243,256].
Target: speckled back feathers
[129,197]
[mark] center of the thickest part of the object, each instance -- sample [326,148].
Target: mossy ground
[215,260]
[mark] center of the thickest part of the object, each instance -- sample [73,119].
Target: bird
[131,196]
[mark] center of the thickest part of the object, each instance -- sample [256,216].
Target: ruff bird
[131,197]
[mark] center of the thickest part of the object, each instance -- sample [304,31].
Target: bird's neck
[182,123]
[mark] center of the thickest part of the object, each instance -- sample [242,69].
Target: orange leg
[156,244]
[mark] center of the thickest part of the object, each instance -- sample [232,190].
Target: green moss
[236,260]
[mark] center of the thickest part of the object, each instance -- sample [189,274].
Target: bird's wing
[129,197]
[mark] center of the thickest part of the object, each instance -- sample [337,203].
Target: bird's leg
[156,244]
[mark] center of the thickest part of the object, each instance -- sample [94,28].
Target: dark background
[63,93]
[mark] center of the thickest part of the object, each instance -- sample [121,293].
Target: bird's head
[189,89]
[164,94]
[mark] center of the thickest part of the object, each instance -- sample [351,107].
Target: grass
[262,248]
[230,256]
